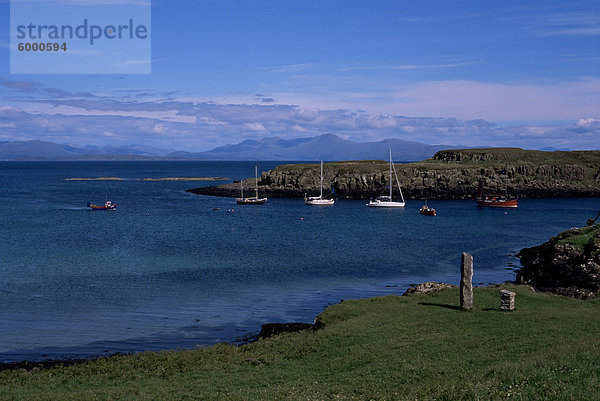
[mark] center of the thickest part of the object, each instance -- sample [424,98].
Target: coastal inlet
[170,269]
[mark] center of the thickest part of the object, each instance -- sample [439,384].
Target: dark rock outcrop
[568,264]
[41,365]
[451,174]
[427,288]
[274,329]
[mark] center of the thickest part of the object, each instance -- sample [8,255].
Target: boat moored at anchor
[318,200]
[108,205]
[253,200]
[387,200]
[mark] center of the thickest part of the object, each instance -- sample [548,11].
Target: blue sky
[511,73]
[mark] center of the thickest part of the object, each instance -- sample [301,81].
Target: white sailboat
[253,200]
[387,201]
[318,200]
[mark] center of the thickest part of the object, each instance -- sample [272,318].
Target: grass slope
[500,156]
[469,158]
[413,347]
[582,238]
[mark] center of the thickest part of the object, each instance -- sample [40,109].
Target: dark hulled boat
[427,211]
[108,205]
[496,200]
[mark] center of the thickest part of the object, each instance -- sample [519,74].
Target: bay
[170,269]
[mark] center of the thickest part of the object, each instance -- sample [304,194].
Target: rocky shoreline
[46,363]
[449,174]
[568,264]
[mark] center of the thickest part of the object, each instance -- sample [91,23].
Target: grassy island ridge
[412,347]
[449,174]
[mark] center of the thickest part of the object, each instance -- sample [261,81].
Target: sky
[472,73]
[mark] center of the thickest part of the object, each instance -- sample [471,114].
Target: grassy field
[484,157]
[518,156]
[472,159]
[413,347]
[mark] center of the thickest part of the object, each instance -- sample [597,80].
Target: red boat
[108,205]
[496,200]
[427,211]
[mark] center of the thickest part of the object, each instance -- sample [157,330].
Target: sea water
[169,269]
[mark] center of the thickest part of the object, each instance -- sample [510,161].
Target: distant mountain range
[324,147]
[41,150]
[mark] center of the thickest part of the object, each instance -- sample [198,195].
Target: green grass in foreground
[414,347]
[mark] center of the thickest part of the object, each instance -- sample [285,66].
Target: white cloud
[499,102]
[559,24]
[290,67]
[255,127]
[587,122]
[164,115]
[410,66]
[159,129]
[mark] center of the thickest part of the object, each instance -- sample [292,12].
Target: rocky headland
[449,174]
[568,264]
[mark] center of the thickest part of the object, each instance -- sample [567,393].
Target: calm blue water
[171,269]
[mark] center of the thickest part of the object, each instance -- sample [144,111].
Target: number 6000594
[42,47]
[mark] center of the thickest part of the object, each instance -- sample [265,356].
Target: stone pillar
[466,281]
[507,300]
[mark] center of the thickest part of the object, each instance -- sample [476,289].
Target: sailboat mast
[321,197]
[242,187]
[391,182]
[256,179]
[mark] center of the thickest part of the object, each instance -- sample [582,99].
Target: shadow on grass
[454,307]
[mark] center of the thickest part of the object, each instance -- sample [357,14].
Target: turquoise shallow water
[171,269]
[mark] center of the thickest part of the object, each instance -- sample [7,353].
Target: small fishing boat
[427,211]
[496,200]
[108,205]
[253,200]
[318,200]
[387,200]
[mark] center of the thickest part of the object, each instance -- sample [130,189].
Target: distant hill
[323,147]
[36,150]
[42,150]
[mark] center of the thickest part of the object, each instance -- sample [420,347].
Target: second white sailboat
[318,200]
[387,201]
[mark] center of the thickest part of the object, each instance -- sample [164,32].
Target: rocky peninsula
[568,264]
[449,174]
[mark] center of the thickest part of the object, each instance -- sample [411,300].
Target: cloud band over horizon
[83,118]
